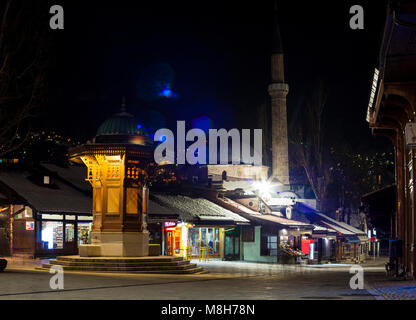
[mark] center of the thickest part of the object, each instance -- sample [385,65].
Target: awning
[363,238]
[280,221]
[352,239]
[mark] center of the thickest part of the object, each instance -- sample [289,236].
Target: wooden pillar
[11,228]
[411,218]
[400,184]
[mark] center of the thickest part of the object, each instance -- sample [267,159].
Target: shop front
[60,234]
[188,240]
[232,243]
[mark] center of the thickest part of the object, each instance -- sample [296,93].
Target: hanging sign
[410,134]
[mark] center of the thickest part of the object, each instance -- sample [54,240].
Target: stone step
[120,264]
[191,268]
[120,260]
[130,268]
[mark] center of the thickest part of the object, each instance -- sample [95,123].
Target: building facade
[391,113]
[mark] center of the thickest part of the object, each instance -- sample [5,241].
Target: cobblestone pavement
[225,281]
[391,289]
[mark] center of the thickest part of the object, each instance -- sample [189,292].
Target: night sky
[215,57]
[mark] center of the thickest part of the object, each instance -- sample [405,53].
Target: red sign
[305,246]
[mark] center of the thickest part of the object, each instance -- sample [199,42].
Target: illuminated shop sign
[170,224]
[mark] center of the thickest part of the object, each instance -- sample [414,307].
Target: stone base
[89,250]
[116,244]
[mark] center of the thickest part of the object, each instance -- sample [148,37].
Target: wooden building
[46,216]
[391,112]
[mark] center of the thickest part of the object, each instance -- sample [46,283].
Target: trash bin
[396,248]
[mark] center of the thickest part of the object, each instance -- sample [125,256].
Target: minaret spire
[278,91]
[276,37]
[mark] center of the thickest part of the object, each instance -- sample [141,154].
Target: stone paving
[391,289]
[226,280]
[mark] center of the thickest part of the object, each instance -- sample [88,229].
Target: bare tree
[22,68]
[309,143]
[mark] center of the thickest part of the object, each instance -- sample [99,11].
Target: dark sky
[215,55]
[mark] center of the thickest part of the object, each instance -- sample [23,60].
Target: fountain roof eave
[110,149]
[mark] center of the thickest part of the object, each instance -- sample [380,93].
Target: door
[70,241]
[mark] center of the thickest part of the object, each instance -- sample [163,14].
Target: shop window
[193,240]
[132,200]
[213,241]
[268,245]
[204,237]
[52,235]
[113,201]
[69,232]
[84,232]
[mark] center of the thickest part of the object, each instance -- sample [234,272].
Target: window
[268,245]
[52,235]
[248,234]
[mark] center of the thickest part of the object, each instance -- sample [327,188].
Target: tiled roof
[44,199]
[190,209]
[341,224]
[280,220]
[74,174]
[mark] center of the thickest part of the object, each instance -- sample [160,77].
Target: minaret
[278,90]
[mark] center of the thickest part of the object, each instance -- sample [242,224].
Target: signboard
[410,133]
[170,224]
[30,225]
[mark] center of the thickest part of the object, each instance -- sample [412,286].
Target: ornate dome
[122,128]
[120,123]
